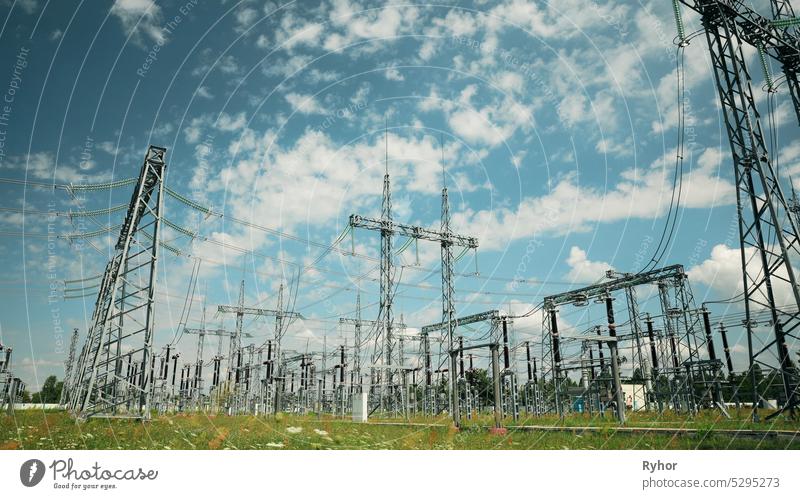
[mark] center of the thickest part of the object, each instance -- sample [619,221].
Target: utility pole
[358,323]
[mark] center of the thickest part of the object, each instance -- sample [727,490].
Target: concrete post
[498,411]
[618,395]
[612,346]
[454,398]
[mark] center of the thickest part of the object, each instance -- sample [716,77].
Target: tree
[479,380]
[50,392]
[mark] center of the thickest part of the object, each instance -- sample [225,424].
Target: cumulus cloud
[722,272]
[42,165]
[490,124]
[223,122]
[392,74]
[581,269]
[304,104]
[140,19]
[571,207]
[353,23]
[789,159]
[316,181]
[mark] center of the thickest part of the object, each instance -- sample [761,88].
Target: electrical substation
[650,345]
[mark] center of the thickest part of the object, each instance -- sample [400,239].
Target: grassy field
[57,430]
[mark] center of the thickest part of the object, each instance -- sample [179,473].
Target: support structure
[683,331]
[358,323]
[69,366]
[450,325]
[234,367]
[384,343]
[122,322]
[769,240]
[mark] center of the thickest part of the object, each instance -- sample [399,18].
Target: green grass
[57,430]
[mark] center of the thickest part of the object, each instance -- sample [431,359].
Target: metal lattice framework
[69,367]
[681,325]
[384,342]
[767,231]
[235,370]
[6,377]
[449,326]
[358,324]
[122,322]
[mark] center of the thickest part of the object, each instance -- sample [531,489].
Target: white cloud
[204,92]
[555,20]
[356,23]
[27,6]
[226,64]
[245,18]
[317,182]
[722,272]
[789,160]
[141,18]
[294,32]
[286,67]
[509,82]
[581,269]
[570,207]
[392,74]
[42,165]
[490,124]
[304,104]
[222,122]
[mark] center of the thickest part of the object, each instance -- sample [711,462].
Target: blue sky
[557,119]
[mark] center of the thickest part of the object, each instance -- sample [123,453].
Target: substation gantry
[504,379]
[673,373]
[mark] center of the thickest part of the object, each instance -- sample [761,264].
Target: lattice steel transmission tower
[69,368]
[785,20]
[357,323]
[767,231]
[447,239]
[122,322]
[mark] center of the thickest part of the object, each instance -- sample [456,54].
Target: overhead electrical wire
[677,179]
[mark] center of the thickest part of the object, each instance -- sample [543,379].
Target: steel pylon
[122,322]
